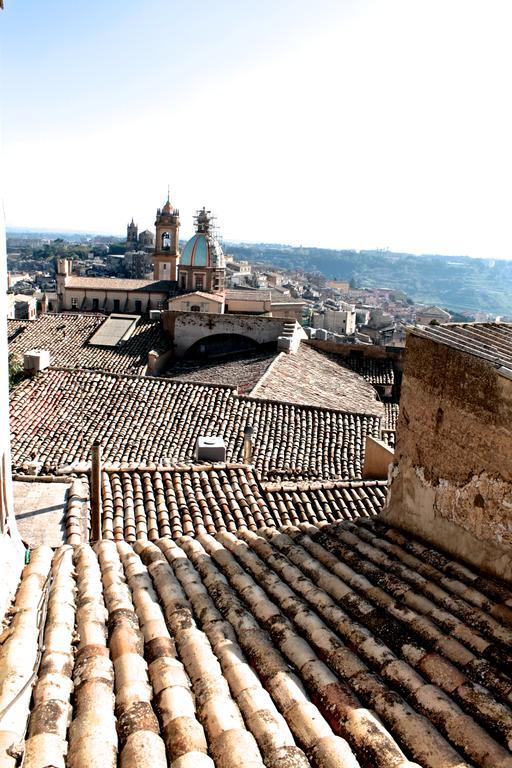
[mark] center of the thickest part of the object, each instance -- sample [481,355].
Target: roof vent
[36,360]
[211,448]
[155,314]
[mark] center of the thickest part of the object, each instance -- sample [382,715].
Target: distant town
[365,297]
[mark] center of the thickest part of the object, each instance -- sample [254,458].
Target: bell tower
[167,253]
[132,235]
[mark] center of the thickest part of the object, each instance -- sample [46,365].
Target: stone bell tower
[132,236]
[167,254]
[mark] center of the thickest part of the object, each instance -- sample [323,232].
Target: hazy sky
[343,123]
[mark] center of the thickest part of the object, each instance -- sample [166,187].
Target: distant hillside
[459,282]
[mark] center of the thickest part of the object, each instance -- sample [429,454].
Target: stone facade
[452,479]
[109,294]
[187,328]
[198,301]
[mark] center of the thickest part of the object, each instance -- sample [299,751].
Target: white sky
[348,124]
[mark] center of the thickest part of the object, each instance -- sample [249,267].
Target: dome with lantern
[203,249]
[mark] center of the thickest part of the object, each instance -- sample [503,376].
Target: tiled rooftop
[56,417]
[146,503]
[60,413]
[375,371]
[314,378]
[66,336]
[249,294]
[390,415]
[334,647]
[242,372]
[303,442]
[489,341]
[119,284]
[325,502]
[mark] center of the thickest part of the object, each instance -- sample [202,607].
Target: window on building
[95,305]
[138,307]
[199,282]
[117,305]
[195,308]
[166,241]
[183,280]
[160,304]
[74,303]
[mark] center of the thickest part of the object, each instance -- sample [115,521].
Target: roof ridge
[266,374]
[177,467]
[116,375]
[306,406]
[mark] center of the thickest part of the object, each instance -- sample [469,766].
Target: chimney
[152,361]
[96,491]
[248,444]
[377,458]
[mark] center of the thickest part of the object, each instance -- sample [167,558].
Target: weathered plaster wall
[291,311]
[185,328]
[452,479]
[377,458]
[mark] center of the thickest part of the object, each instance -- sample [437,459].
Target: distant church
[135,242]
[191,280]
[200,268]
[202,264]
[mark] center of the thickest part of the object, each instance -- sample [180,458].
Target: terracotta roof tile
[346,645]
[388,431]
[60,413]
[244,372]
[325,502]
[311,377]
[145,504]
[66,336]
[119,284]
[374,371]
[391,415]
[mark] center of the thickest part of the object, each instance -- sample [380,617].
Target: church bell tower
[167,251]
[132,236]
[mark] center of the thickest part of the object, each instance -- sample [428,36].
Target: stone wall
[185,328]
[451,481]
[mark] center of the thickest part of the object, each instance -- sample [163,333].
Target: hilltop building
[146,239]
[135,241]
[340,320]
[432,315]
[20,306]
[109,294]
[137,264]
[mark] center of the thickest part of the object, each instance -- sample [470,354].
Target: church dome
[203,250]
